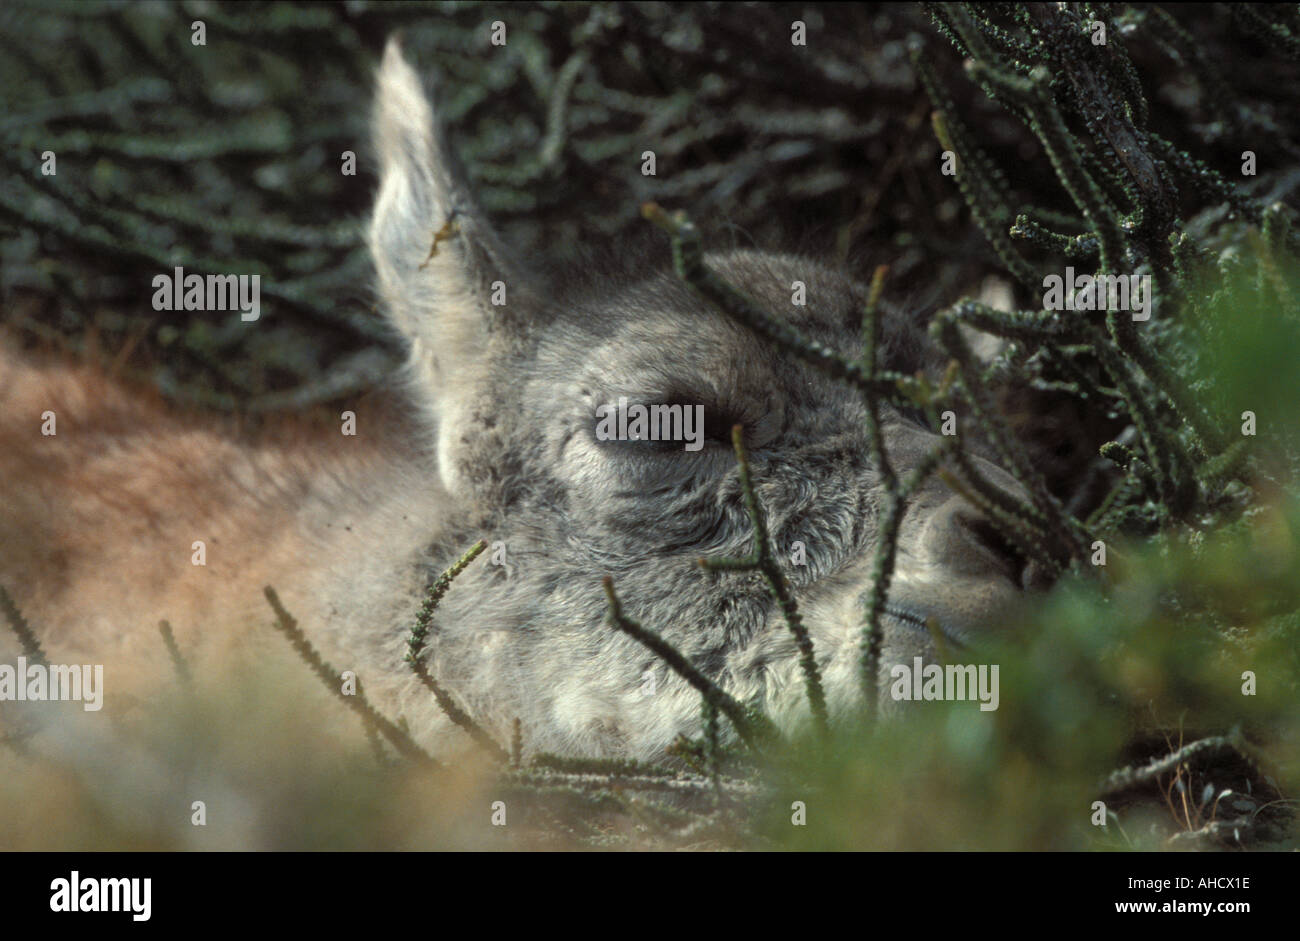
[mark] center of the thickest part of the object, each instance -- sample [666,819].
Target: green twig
[288,626]
[415,650]
[753,728]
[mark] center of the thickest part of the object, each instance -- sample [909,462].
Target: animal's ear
[443,273]
[438,260]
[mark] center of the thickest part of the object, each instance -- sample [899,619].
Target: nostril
[1009,558]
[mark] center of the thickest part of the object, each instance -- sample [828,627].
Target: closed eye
[718,428]
[665,427]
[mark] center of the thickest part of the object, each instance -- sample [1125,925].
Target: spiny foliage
[1185,477]
[287,625]
[415,651]
[228,157]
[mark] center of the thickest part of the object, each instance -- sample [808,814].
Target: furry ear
[443,273]
[436,255]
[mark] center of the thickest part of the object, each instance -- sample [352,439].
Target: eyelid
[716,428]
